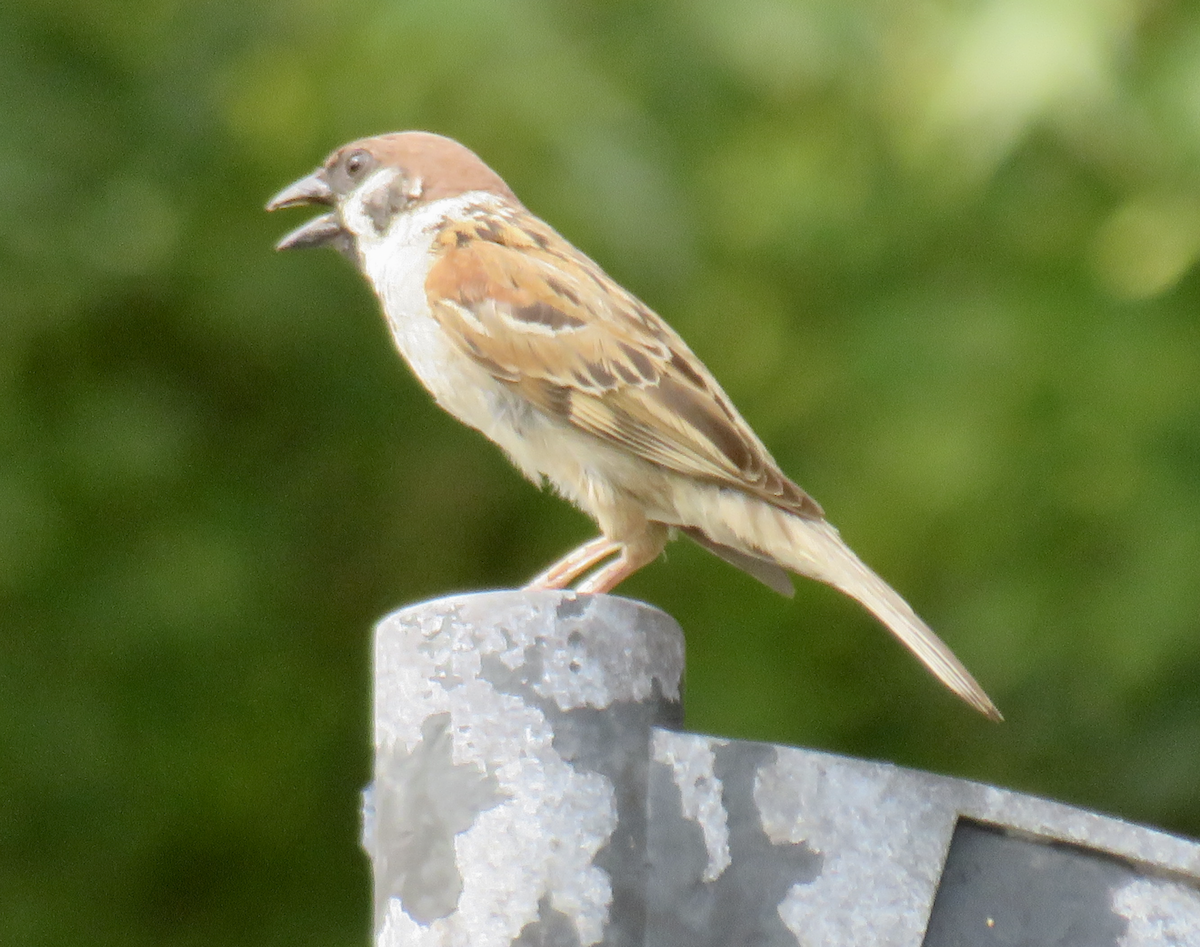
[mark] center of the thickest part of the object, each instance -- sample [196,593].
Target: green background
[941,254]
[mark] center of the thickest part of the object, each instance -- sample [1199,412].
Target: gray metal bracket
[765,845]
[532,788]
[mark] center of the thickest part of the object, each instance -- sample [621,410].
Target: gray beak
[319,231]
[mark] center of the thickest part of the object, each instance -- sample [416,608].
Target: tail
[812,547]
[847,573]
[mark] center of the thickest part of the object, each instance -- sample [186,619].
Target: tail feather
[840,567]
[812,547]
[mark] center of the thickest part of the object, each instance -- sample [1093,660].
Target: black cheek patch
[384,204]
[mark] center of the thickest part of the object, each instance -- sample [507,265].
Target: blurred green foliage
[941,254]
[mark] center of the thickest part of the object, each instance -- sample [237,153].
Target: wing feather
[539,315]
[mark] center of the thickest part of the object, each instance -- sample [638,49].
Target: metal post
[512,735]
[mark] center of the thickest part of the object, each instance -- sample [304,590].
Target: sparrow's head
[369,183]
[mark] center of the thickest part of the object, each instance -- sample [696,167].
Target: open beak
[319,231]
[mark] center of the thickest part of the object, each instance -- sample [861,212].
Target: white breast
[397,265]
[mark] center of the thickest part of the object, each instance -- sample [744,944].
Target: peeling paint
[1159,913]
[692,763]
[490,818]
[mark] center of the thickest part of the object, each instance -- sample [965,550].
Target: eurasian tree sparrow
[522,337]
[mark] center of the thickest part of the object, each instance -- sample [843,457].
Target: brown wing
[542,317]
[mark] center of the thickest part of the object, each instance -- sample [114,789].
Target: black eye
[356,163]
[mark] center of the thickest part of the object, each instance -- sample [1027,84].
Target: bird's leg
[633,556]
[610,576]
[574,564]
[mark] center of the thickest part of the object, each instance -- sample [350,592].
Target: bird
[520,335]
